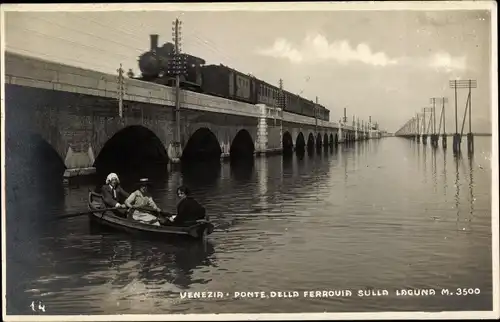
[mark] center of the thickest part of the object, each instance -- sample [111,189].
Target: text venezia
[322,294]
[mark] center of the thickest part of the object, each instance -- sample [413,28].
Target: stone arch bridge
[77,112]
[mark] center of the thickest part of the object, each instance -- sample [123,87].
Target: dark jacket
[188,211]
[109,198]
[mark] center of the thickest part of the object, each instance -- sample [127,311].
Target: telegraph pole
[369,126]
[424,130]
[177,65]
[428,126]
[417,134]
[120,91]
[434,136]
[470,137]
[316,116]
[282,100]
[442,120]
[445,138]
[457,138]
[176,36]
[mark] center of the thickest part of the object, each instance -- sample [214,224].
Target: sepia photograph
[243,161]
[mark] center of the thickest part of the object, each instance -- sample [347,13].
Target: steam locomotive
[160,65]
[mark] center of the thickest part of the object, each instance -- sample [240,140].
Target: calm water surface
[384,214]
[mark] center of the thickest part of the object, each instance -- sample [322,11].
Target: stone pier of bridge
[76,111]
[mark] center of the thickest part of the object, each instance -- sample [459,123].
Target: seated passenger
[113,194]
[188,209]
[142,199]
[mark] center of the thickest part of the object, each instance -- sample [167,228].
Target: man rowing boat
[141,198]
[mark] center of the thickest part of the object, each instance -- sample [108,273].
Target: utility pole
[445,139]
[316,115]
[120,91]
[434,136]
[470,137]
[442,120]
[176,30]
[428,126]
[457,138]
[282,100]
[424,130]
[178,69]
[417,134]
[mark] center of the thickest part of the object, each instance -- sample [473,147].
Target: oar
[163,213]
[85,213]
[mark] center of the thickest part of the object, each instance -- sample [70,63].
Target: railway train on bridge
[158,65]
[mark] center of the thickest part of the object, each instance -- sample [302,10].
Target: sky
[383,64]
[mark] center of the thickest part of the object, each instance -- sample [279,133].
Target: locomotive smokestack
[154,42]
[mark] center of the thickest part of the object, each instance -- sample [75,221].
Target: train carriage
[157,64]
[220,80]
[267,94]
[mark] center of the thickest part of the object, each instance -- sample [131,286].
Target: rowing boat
[199,230]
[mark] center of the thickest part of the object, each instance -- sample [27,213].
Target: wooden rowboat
[200,230]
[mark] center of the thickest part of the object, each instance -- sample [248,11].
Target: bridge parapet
[35,72]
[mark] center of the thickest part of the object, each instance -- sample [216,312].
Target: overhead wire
[16,49]
[71,42]
[196,38]
[90,34]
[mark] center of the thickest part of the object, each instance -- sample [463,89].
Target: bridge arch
[331,142]
[131,147]
[319,141]
[287,143]
[242,146]
[202,145]
[310,141]
[336,139]
[300,142]
[32,153]
[326,144]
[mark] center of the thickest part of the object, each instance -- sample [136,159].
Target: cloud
[316,49]
[282,49]
[444,61]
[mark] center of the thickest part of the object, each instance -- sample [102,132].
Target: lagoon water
[374,217]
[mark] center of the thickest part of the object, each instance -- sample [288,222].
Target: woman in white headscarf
[112,193]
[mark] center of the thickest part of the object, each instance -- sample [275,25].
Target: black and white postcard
[243,161]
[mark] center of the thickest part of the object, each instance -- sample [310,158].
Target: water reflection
[445,179]
[418,157]
[262,182]
[472,199]
[424,163]
[343,156]
[201,175]
[288,211]
[119,270]
[457,159]
[242,171]
[434,169]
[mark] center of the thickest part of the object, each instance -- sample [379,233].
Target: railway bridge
[76,112]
